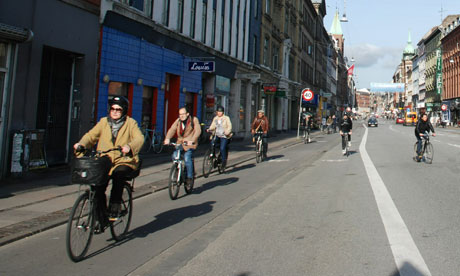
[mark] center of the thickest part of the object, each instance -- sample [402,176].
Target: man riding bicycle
[307,123]
[260,127]
[115,130]
[345,128]
[221,127]
[188,130]
[422,128]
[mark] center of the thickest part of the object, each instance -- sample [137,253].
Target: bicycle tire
[158,144]
[81,224]
[429,153]
[207,163]
[120,227]
[305,137]
[415,150]
[220,167]
[173,185]
[147,144]
[259,152]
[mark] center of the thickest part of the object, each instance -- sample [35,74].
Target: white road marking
[335,160]
[321,141]
[436,140]
[278,160]
[402,244]
[453,145]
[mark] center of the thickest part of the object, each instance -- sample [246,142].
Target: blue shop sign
[201,66]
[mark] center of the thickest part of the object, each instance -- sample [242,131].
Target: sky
[377,31]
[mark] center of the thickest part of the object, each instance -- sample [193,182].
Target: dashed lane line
[402,244]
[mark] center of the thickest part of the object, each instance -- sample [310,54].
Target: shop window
[118,89]
[3,51]
[242,107]
[148,107]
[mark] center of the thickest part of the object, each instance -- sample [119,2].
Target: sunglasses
[116,109]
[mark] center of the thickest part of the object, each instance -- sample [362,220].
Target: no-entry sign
[444,107]
[307,95]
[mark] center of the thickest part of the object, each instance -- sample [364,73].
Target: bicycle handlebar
[82,149]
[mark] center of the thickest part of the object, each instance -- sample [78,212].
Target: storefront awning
[15,34]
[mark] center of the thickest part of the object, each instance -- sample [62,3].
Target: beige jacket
[129,134]
[188,135]
[226,123]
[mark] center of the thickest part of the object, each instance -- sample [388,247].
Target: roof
[336,28]
[409,50]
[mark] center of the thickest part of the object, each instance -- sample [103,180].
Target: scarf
[183,125]
[115,125]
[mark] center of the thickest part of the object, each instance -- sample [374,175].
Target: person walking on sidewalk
[187,129]
[116,130]
[334,123]
[260,127]
[329,124]
[221,127]
[345,128]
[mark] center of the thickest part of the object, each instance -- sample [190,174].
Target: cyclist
[308,122]
[260,126]
[222,128]
[345,126]
[115,130]
[188,130]
[423,126]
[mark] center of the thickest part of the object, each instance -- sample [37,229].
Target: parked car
[399,120]
[410,119]
[372,122]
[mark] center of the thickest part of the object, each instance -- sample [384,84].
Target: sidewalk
[43,200]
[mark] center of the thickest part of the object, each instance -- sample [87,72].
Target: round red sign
[444,107]
[307,95]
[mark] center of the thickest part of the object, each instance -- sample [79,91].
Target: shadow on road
[236,169]
[407,269]
[161,221]
[274,157]
[212,184]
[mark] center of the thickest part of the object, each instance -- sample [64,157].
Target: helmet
[220,108]
[121,101]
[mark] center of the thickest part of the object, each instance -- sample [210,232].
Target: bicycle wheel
[305,137]
[174,182]
[157,144]
[429,152]
[147,144]
[207,163]
[259,152]
[80,228]
[415,151]
[120,227]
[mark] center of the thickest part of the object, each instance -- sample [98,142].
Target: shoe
[224,164]
[189,181]
[349,144]
[115,209]
[344,152]
[99,228]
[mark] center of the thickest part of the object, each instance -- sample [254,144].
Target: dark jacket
[345,125]
[423,127]
[260,124]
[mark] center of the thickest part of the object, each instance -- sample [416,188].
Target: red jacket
[260,124]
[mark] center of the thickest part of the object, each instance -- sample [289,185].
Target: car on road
[399,120]
[410,119]
[372,122]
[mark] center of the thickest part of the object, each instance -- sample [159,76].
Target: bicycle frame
[179,161]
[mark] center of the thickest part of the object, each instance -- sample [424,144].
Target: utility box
[28,151]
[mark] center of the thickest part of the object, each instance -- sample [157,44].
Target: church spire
[409,51]
[336,28]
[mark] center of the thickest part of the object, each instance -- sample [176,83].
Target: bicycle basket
[91,171]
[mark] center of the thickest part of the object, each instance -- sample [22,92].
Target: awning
[15,34]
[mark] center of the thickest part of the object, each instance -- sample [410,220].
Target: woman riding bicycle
[423,126]
[345,128]
[221,127]
[260,125]
[115,130]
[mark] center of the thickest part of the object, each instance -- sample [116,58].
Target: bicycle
[178,173]
[152,140]
[259,146]
[427,152]
[347,145]
[212,160]
[93,170]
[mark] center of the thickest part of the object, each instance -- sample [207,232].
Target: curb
[21,230]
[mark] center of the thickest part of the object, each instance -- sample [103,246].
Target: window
[222,25]
[192,18]
[180,14]
[254,50]
[165,15]
[148,8]
[118,89]
[213,34]
[203,21]
[244,31]
[237,26]
[267,7]
[256,8]
[242,110]
[266,46]
[275,57]
[286,21]
[230,28]
[147,107]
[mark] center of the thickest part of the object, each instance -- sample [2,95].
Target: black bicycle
[427,151]
[259,146]
[88,215]
[347,144]
[178,173]
[213,159]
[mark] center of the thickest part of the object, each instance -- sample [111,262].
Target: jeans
[343,141]
[188,158]
[223,143]
[419,145]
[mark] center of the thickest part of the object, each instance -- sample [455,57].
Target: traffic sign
[444,107]
[307,95]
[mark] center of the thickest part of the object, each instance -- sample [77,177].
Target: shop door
[5,50]
[54,98]
[172,100]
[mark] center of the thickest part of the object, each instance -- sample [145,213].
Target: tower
[336,32]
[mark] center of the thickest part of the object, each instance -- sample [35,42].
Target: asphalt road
[306,211]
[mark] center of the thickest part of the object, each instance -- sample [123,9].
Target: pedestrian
[323,124]
[334,123]
[329,124]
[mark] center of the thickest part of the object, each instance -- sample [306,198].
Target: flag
[350,70]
